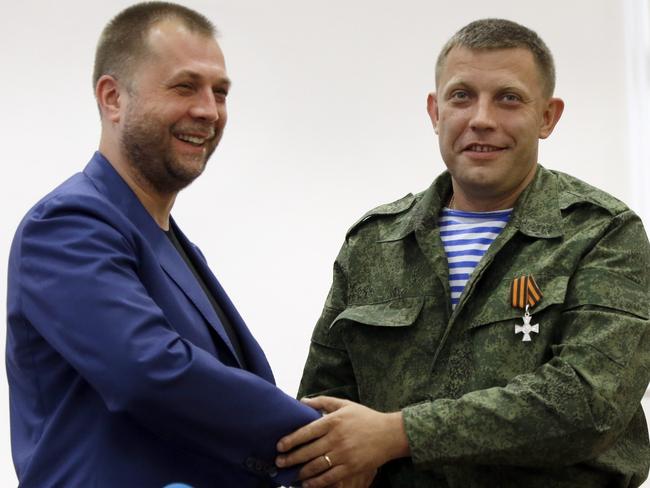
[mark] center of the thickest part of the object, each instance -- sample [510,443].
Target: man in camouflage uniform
[452,396]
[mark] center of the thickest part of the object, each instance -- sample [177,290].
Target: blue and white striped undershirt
[466,237]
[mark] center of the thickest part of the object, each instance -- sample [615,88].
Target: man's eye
[459,95]
[184,87]
[510,97]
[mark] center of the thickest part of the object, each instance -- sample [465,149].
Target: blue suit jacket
[114,378]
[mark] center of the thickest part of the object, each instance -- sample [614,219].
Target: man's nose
[205,106]
[483,115]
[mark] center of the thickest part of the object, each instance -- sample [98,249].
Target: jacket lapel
[172,263]
[110,183]
[256,361]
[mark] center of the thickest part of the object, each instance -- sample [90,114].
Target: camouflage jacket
[481,407]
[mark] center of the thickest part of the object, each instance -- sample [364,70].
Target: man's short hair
[502,34]
[123,42]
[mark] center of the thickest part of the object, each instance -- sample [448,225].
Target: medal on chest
[525,295]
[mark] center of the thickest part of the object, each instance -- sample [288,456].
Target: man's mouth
[482,148]
[195,140]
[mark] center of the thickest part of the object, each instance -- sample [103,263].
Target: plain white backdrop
[326,120]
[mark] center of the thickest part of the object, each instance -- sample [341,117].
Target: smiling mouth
[194,140]
[483,148]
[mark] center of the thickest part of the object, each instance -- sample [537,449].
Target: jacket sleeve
[328,370]
[80,289]
[575,406]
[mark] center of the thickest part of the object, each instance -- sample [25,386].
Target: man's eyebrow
[455,84]
[457,81]
[225,81]
[222,81]
[513,87]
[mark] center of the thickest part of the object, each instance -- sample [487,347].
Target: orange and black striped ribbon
[525,292]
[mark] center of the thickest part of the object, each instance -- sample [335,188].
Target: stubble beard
[146,144]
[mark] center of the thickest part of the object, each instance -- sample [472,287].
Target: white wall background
[326,120]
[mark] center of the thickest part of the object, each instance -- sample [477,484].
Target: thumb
[325,403]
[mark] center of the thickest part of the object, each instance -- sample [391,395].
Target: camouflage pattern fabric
[481,407]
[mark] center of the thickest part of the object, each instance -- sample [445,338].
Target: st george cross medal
[525,295]
[527,328]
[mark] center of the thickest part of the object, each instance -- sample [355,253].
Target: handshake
[345,447]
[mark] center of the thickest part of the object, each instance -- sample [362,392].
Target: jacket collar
[109,183]
[536,212]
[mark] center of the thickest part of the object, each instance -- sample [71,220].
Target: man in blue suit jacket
[128,365]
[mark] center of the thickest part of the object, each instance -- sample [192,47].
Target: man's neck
[460,201]
[158,205]
[473,200]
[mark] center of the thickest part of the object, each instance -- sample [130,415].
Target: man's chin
[178,175]
[191,165]
[186,178]
[478,178]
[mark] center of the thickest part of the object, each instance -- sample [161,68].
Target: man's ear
[432,109]
[551,116]
[108,93]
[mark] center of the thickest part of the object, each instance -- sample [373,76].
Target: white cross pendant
[526,329]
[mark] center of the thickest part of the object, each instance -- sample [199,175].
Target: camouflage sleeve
[328,370]
[578,404]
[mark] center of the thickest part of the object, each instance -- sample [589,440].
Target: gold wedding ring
[329,461]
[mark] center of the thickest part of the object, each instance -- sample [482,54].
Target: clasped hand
[349,441]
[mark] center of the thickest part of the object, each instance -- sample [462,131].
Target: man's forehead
[165,30]
[485,57]
[508,64]
[172,37]
[179,51]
